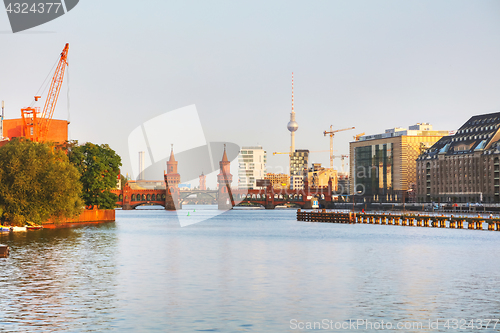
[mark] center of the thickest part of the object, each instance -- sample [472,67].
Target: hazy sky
[369,64]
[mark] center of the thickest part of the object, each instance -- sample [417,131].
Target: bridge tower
[172,180]
[224,178]
[126,193]
[203,182]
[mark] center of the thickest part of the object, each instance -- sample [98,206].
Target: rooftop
[479,134]
[419,129]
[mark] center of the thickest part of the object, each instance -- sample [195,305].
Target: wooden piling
[4,251]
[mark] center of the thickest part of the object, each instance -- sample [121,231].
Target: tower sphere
[292,126]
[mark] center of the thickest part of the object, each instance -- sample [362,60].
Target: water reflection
[55,278]
[243,271]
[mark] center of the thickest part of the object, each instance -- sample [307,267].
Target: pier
[409,220]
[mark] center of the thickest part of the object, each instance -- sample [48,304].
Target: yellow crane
[332,132]
[357,136]
[315,151]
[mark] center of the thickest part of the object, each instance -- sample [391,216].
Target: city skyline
[371,65]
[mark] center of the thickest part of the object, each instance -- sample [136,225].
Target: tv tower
[292,125]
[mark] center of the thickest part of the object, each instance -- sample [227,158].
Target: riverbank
[86,216]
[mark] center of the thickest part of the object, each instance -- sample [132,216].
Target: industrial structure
[383,166]
[142,164]
[463,167]
[38,125]
[331,133]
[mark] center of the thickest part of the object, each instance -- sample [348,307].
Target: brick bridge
[172,198]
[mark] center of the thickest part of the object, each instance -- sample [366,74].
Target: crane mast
[36,124]
[332,134]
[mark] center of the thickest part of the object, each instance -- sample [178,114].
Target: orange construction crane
[332,134]
[36,124]
[357,136]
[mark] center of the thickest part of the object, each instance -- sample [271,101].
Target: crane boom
[288,153]
[36,125]
[332,133]
[55,88]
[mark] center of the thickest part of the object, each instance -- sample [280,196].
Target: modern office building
[318,176]
[298,168]
[279,181]
[252,166]
[463,167]
[383,166]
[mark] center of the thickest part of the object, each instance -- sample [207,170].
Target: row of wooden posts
[412,220]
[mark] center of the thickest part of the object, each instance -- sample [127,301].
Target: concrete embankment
[86,216]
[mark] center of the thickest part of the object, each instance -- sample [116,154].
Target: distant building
[318,176]
[279,180]
[252,166]
[203,182]
[184,187]
[463,167]
[298,168]
[383,166]
[343,184]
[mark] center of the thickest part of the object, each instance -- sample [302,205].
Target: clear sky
[369,64]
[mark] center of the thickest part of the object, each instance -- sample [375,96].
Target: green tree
[124,180]
[37,182]
[99,167]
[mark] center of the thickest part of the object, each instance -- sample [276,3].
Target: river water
[247,271]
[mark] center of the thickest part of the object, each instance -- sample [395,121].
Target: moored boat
[34,227]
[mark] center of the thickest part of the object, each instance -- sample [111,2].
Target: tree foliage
[37,182]
[99,168]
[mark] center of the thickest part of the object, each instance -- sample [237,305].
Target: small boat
[4,229]
[18,229]
[34,227]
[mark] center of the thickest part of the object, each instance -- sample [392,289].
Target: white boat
[17,229]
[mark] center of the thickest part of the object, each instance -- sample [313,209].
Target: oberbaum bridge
[172,198]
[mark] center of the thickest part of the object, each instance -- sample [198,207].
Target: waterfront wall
[87,215]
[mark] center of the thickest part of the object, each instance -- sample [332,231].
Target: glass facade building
[374,171]
[383,166]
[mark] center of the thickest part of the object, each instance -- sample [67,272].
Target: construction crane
[342,157]
[316,151]
[357,136]
[332,134]
[36,124]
